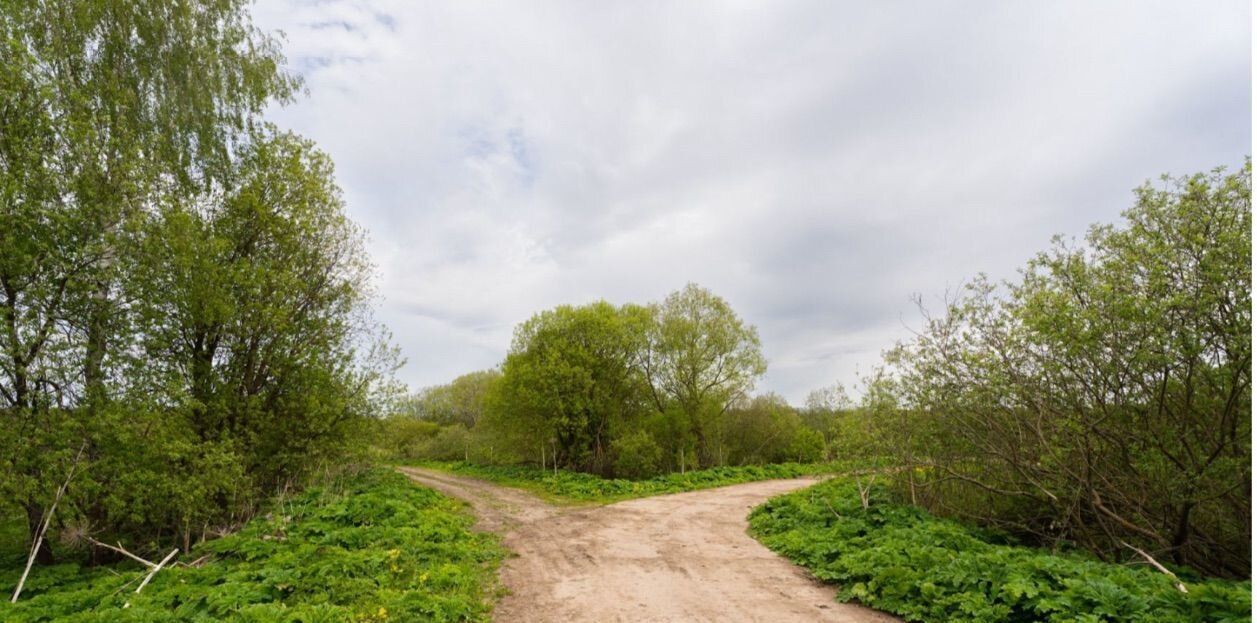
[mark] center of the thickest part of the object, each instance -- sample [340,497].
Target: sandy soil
[682,557]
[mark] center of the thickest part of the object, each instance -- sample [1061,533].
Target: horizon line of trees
[633,390]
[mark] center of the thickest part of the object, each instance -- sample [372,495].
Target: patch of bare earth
[682,557]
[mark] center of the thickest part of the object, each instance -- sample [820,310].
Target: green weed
[373,547]
[902,560]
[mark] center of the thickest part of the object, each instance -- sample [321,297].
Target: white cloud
[816,163]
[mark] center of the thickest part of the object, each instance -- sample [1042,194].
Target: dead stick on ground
[154,572]
[195,563]
[1152,561]
[124,552]
[43,528]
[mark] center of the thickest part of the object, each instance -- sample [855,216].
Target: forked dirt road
[681,557]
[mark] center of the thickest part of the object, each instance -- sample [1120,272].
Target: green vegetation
[569,380]
[185,330]
[566,486]
[184,305]
[1103,400]
[580,381]
[367,547]
[632,391]
[900,559]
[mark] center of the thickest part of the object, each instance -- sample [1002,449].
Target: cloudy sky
[815,163]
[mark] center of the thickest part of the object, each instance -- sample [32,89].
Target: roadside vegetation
[1090,425]
[369,546]
[901,559]
[565,486]
[1104,400]
[180,280]
[185,317]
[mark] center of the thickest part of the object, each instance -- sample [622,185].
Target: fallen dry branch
[118,548]
[157,568]
[195,563]
[153,572]
[1153,561]
[831,508]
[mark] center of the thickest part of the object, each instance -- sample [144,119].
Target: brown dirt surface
[678,557]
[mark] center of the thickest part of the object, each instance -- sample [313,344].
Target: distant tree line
[1103,400]
[634,390]
[183,302]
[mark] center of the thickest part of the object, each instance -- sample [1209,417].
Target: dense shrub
[1103,398]
[807,446]
[405,437]
[637,455]
[900,559]
[451,443]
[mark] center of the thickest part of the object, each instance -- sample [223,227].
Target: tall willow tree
[701,360]
[581,378]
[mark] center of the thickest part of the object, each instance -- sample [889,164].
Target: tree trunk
[1181,534]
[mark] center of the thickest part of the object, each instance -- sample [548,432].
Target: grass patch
[373,547]
[566,487]
[901,559]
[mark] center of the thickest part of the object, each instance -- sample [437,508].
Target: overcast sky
[814,163]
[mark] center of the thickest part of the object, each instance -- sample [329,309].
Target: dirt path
[682,557]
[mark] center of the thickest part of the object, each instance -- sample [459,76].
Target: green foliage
[367,547]
[902,560]
[568,486]
[637,455]
[757,430]
[461,401]
[248,308]
[1103,399]
[404,437]
[569,381]
[184,298]
[702,359]
[577,379]
[450,443]
[807,446]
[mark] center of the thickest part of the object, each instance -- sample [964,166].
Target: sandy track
[682,557]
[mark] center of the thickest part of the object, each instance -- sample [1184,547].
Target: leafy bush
[404,437]
[637,455]
[900,559]
[807,445]
[373,547]
[451,443]
[1104,397]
